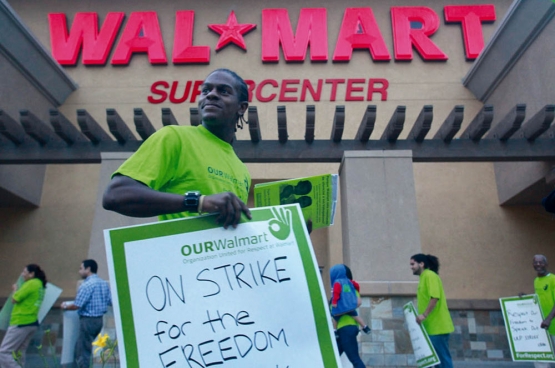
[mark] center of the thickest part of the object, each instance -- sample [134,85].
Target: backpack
[348,300]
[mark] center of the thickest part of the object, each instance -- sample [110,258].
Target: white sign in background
[243,306]
[523,317]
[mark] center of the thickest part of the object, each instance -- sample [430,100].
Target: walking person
[347,327]
[433,312]
[24,318]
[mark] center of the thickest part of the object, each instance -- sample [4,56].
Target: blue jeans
[441,344]
[347,342]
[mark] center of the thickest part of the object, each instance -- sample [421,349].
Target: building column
[379,220]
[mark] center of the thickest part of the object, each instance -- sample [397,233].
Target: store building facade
[481,218]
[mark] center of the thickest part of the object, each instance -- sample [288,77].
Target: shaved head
[541,256]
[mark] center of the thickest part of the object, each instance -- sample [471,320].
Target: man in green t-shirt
[433,312]
[181,171]
[544,286]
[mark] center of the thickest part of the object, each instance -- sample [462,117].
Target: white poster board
[527,340]
[424,352]
[51,294]
[190,293]
[71,333]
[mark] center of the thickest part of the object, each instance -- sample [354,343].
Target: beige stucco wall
[485,250]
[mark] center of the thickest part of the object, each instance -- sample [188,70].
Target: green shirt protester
[433,312]
[181,171]
[24,321]
[544,286]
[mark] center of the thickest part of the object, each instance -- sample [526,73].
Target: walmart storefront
[437,118]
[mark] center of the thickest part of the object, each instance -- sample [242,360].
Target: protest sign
[527,340]
[424,352]
[317,196]
[71,333]
[191,293]
[51,294]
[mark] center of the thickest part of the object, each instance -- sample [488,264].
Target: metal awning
[32,141]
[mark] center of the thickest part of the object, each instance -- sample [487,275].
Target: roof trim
[522,24]
[31,58]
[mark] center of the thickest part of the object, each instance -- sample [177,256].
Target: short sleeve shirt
[29,298]
[438,321]
[177,159]
[545,289]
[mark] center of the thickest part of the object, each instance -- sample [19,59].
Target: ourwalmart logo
[280,226]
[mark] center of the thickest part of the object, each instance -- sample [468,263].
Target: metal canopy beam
[507,141]
[460,150]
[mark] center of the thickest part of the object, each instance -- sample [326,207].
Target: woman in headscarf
[24,318]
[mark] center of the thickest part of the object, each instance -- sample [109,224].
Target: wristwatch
[191,201]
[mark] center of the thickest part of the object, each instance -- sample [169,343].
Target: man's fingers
[230,208]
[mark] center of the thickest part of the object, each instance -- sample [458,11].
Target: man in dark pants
[92,301]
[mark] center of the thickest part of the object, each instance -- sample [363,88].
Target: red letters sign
[359,30]
[287,90]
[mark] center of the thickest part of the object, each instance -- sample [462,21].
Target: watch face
[191,200]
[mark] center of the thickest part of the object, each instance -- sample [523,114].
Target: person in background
[345,292]
[544,286]
[91,303]
[347,329]
[433,312]
[24,318]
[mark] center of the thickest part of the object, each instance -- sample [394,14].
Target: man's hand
[14,287]
[546,323]
[229,207]
[420,318]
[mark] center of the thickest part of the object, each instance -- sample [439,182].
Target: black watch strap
[191,201]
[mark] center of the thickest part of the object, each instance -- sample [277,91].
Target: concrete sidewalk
[478,364]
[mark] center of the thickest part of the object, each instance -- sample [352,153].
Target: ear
[243,108]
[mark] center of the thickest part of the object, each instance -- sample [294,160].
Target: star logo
[231,31]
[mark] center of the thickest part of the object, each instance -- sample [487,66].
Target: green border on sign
[510,335]
[118,238]
[435,361]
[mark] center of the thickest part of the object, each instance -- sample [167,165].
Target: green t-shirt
[346,320]
[29,298]
[177,159]
[545,288]
[438,321]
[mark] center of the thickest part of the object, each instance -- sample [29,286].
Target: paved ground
[34,361]
[475,364]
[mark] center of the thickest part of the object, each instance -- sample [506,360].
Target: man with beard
[433,312]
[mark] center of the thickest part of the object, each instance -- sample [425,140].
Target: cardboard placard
[317,196]
[424,352]
[189,291]
[523,317]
